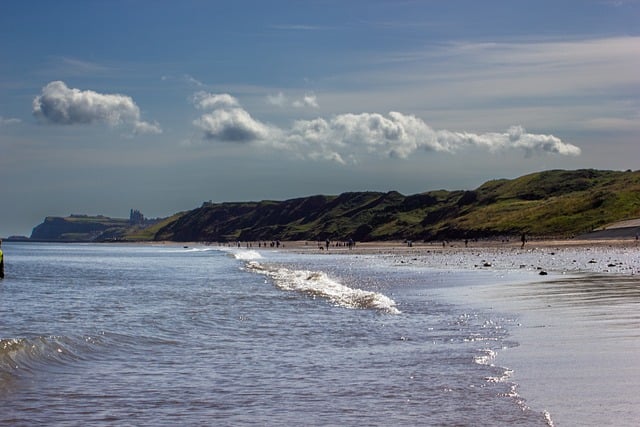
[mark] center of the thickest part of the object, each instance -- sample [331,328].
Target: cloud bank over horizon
[61,105]
[344,138]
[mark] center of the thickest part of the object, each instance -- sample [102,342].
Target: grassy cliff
[551,203]
[554,203]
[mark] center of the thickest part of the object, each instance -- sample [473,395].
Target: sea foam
[247,255]
[319,284]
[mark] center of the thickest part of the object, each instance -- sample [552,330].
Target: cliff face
[79,228]
[550,203]
[296,219]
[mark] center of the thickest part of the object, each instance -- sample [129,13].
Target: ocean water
[171,335]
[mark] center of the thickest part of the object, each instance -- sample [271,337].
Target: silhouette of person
[1,262]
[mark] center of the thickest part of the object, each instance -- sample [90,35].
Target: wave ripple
[29,354]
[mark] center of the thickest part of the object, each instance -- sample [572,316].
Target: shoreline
[460,244]
[541,256]
[617,256]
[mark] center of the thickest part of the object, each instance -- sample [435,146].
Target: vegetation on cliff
[552,203]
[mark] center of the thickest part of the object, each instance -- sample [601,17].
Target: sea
[168,334]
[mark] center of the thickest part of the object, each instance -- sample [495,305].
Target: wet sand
[577,304]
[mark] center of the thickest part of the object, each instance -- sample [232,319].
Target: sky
[157,105]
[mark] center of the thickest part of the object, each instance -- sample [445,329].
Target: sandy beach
[618,256]
[575,357]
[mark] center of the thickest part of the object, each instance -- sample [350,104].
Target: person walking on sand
[524,239]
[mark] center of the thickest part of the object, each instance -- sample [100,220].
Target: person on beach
[1,262]
[524,239]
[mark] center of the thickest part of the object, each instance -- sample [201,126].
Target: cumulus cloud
[205,100]
[398,135]
[233,125]
[227,121]
[59,104]
[344,138]
[146,127]
[514,137]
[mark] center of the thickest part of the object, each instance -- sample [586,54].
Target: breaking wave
[247,255]
[319,284]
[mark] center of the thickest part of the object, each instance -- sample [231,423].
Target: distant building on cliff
[136,217]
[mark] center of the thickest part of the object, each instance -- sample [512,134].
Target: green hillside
[560,203]
[147,233]
[551,203]
[554,203]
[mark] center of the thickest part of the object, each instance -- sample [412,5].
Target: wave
[247,255]
[187,249]
[19,356]
[319,284]
[25,356]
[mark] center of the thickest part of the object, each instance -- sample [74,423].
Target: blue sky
[161,105]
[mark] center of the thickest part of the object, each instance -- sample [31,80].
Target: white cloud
[347,137]
[309,100]
[59,104]
[233,125]
[8,121]
[206,101]
[514,137]
[400,136]
[228,121]
[146,127]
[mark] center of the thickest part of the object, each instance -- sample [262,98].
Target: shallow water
[165,335]
[580,352]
